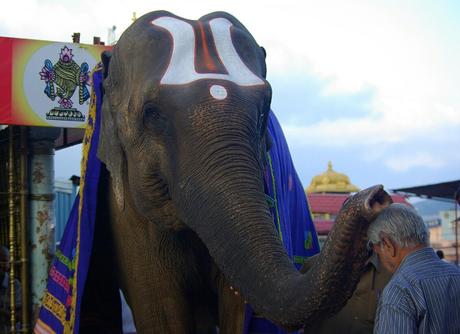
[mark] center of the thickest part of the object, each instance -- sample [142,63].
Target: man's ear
[264,71]
[389,246]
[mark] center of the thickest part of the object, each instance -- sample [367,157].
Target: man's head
[397,232]
[440,254]
[4,260]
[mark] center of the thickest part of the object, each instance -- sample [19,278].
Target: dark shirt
[422,297]
[5,292]
[357,316]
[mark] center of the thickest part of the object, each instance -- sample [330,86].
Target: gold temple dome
[331,182]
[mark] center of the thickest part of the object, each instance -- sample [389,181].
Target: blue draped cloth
[290,211]
[62,302]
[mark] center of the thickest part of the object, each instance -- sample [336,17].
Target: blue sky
[372,86]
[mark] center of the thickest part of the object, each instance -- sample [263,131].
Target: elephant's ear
[264,52]
[110,151]
[105,57]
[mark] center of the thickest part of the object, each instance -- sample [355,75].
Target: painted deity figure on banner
[62,80]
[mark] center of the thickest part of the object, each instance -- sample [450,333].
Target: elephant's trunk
[230,214]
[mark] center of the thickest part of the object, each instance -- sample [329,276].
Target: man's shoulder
[399,294]
[433,270]
[397,285]
[425,265]
[401,286]
[408,281]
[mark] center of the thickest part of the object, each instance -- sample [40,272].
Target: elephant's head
[185,102]
[183,133]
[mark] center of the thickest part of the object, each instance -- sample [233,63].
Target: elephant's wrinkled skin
[184,142]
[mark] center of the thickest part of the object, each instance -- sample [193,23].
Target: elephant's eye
[153,118]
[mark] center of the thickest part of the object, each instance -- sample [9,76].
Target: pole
[25,320]
[42,220]
[11,238]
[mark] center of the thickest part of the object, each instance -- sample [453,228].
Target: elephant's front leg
[158,302]
[231,308]
[149,272]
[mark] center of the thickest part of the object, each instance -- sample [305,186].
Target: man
[357,316]
[423,295]
[440,254]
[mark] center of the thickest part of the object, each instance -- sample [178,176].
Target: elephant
[184,141]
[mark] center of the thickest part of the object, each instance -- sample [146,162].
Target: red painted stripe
[208,62]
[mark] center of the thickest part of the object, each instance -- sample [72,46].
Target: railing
[14,291]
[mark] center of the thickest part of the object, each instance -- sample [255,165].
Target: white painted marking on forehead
[218,92]
[181,69]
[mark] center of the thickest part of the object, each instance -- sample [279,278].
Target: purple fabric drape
[290,212]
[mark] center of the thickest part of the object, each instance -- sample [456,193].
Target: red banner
[5,81]
[46,83]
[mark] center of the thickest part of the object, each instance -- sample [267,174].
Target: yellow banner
[46,83]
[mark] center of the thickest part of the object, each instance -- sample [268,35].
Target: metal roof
[443,191]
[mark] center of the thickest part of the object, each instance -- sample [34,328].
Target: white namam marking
[218,92]
[181,69]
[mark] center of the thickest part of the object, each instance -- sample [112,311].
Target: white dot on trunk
[218,92]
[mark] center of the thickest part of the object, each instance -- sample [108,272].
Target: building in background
[65,193]
[440,218]
[440,213]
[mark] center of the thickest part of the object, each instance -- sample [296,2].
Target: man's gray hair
[402,224]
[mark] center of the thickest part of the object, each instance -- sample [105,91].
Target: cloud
[409,137]
[390,121]
[407,162]
[375,80]
[300,99]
